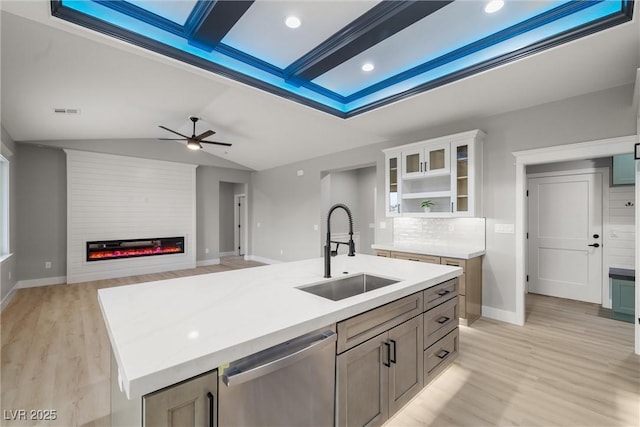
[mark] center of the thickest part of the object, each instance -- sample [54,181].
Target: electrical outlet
[206,250]
[9,275]
[315,227]
[281,251]
[47,264]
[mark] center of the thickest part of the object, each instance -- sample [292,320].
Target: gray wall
[287,206]
[208,187]
[42,212]
[367,178]
[9,266]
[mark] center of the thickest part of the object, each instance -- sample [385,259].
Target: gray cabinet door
[362,384]
[406,370]
[192,403]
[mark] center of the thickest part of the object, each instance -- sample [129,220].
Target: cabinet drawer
[440,355]
[362,327]
[386,254]
[416,257]
[462,306]
[439,321]
[455,262]
[440,293]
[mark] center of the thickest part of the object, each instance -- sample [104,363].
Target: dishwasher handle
[234,376]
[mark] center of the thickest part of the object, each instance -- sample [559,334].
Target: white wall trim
[7,298]
[636,321]
[261,259]
[245,244]
[228,253]
[578,151]
[205,262]
[500,315]
[45,281]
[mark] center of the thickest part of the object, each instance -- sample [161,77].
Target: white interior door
[565,236]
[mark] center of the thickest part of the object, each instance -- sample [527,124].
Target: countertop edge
[460,253]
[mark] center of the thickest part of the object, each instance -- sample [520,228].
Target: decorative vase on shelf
[427,209]
[426,205]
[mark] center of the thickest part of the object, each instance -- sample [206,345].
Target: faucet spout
[328,253]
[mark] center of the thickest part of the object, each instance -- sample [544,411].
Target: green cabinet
[624,170]
[623,294]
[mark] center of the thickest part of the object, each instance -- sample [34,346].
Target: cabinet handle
[393,359]
[211,409]
[595,245]
[425,166]
[443,320]
[442,354]
[451,206]
[420,166]
[388,362]
[444,292]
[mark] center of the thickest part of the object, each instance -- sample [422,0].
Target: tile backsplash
[468,232]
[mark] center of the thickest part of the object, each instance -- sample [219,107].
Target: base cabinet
[192,403]
[376,378]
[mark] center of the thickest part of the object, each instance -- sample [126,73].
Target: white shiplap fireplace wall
[113,197]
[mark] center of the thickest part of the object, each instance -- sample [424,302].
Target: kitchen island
[168,331]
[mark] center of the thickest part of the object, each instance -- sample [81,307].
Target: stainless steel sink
[345,287]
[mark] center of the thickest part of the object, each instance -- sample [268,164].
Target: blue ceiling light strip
[623,14]
[85,19]
[491,40]
[143,15]
[380,22]
[123,21]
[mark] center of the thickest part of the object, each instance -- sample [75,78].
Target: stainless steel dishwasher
[291,384]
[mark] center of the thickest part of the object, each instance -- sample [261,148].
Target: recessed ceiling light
[368,67]
[494,6]
[292,22]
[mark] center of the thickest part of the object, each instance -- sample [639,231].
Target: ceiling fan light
[194,145]
[494,6]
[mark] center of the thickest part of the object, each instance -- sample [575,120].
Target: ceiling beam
[212,20]
[380,22]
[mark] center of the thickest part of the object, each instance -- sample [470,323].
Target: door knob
[595,236]
[595,245]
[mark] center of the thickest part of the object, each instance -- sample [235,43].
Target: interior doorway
[565,233]
[569,152]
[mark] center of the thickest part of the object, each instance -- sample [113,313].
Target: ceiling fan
[194,142]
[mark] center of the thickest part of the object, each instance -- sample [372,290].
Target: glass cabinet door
[462,178]
[412,163]
[393,184]
[437,159]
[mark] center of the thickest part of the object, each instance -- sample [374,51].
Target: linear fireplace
[133,248]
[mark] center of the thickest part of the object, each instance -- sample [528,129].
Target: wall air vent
[66,111]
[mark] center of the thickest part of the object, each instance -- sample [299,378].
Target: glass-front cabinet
[426,160]
[441,177]
[392,183]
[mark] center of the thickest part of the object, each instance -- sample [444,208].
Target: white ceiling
[125,92]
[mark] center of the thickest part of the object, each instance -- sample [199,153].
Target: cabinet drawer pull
[393,359]
[388,362]
[211,409]
[444,292]
[442,354]
[443,320]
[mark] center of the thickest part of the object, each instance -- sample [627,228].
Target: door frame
[236,238]
[559,153]
[606,179]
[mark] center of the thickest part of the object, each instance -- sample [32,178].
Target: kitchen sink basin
[345,287]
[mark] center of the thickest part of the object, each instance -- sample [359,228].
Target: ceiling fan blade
[171,139]
[217,143]
[204,135]
[173,131]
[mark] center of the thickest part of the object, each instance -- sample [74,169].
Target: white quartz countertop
[451,251]
[167,331]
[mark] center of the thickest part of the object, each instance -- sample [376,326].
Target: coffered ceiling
[260,89]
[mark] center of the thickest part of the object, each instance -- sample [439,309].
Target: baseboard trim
[500,315]
[232,253]
[206,262]
[45,281]
[262,259]
[7,298]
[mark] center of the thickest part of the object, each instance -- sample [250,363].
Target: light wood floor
[566,367]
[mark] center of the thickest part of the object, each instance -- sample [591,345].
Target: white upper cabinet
[445,171]
[429,160]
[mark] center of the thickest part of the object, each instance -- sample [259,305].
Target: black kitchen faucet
[328,253]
